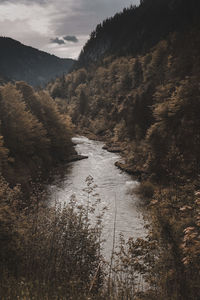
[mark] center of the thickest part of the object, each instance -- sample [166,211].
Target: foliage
[127,33]
[3,153]
[34,134]
[48,252]
[143,94]
[145,190]
[148,99]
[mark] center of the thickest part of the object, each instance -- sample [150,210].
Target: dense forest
[136,87]
[20,62]
[34,134]
[137,29]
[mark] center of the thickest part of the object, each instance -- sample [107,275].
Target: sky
[59,27]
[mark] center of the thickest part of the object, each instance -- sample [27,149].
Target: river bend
[113,186]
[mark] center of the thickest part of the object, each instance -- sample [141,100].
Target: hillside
[137,29]
[20,62]
[126,92]
[136,86]
[34,136]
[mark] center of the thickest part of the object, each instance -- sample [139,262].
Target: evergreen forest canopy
[135,85]
[20,62]
[137,29]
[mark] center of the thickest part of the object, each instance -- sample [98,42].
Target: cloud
[57,41]
[22,31]
[35,22]
[27,2]
[63,40]
[85,14]
[71,38]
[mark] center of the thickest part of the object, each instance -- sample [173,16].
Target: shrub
[58,251]
[146,190]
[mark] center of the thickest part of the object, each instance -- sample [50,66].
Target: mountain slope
[20,62]
[137,29]
[137,87]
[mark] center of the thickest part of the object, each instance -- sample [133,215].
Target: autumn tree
[23,133]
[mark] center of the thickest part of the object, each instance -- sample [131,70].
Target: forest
[134,91]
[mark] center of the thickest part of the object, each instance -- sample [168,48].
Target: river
[113,187]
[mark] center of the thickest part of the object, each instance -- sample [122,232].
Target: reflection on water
[113,186]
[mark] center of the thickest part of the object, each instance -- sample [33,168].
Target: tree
[137,73]
[23,133]
[3,153]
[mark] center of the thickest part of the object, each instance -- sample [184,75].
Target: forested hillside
[45,252]
[137,29]
[20,62]
[34,134]
[136,85]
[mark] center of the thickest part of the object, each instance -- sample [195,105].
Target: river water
[113,186]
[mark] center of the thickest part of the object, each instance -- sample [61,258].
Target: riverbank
[76,157]
[112,186]
[123,148]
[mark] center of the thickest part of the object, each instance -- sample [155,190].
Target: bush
[146,190]
[58,251]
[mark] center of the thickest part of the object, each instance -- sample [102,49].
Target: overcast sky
[60,27]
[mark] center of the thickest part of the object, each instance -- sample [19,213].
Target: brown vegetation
[149,105]
[34,134]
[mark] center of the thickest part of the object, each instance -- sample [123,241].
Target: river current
[113,186]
